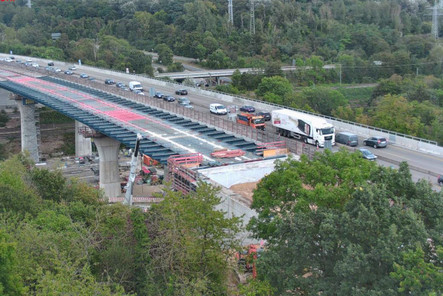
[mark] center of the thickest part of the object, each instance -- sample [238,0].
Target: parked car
[376,142]
[249,109]
[188,106]
[8,60]
[91,78]
[440,180]
[49,68]
[366,154]
[346,138]
[109,81]
[57,70]
[69,72]
[125,88]
[181,92]
[51,64]
[266,115]
[120,85]
[169,98]
[35,65]
[73,68]
[83,75]
[159,95]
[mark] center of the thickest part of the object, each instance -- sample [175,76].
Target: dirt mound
[245,189]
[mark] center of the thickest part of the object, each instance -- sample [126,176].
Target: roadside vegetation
[354,228]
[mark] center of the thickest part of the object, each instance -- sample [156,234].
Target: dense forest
[354,229]
[363,41]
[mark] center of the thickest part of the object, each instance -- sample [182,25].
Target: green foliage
[326,181]
[350,242]
[176,67]
[164,54]
[256,287]
[227,88]
[4,118]
[191,253]
[274,89]
[323,100]
[417,276]
[49,185]
[68,147]
[50,116]
[10,282]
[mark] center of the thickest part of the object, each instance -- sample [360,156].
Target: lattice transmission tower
[230,12]
[436,12]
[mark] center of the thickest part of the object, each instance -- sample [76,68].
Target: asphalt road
[427,166]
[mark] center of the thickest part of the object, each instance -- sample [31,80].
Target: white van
[218,109]
[135,85]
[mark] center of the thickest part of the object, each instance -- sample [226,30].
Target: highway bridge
[424,158]
[215,74]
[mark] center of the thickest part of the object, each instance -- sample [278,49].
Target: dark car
[68,72]
[120,85]
[376,142]
[139,92]
[109,81]
[366,154]
[51,64]
[181,92]
[249,109]
[346,138]
[159,95]
[83,75]
[266,115]
[169,98]
[440,180]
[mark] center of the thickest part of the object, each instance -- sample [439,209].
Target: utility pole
[230,12]
[252,17]
[340,73]
[435,14]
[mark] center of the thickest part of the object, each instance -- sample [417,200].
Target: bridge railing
[277,106]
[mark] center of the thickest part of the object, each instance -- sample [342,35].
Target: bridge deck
[164,133]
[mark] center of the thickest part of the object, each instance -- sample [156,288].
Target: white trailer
[311,129]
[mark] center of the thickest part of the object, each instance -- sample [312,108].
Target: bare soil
[245,189]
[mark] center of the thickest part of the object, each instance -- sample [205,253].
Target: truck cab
[254,121]
[135,85]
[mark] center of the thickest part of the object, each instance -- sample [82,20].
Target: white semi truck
[311,129]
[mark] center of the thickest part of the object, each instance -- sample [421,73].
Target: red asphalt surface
[149,127]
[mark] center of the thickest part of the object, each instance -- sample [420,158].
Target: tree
[164,54]
[324,100]
[417,276]
[10,282]
[191,242]
[276,85]
[341,239]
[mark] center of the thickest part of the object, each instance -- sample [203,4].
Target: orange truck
[252,120]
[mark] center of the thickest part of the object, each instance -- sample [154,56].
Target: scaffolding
[180,171]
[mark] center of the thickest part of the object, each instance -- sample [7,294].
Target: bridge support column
[83,145]
[28,126]
[109,173]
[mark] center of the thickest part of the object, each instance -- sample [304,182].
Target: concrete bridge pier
[109,174]
[28,126]
[83,146]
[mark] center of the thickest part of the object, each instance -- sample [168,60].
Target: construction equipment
[252,120]
[132,174]
[247,258]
